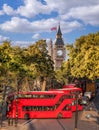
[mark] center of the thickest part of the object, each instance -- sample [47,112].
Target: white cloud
[24,26]
[88,15]
[32,8]
[8,10]
[22,43]
[70,26]
[63,6]
[48,40]
[17,25]
[85,11]
[1,12]
[3,38]
[36,36]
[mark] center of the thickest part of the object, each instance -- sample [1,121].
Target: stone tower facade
[57,50]
[50,49]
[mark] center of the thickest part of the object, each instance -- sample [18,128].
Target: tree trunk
[25,85]
[43,87]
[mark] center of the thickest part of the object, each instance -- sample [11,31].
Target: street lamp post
[1,115]
[16,119]
[76,113]
[3,105]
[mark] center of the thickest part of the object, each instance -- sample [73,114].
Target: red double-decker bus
[76,96]
[40,104]
[69,86]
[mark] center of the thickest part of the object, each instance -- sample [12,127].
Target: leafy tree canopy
[83,58]
[20,65]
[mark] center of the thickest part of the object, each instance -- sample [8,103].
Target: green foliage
[83,58]
[19,65]
[63,74]
[39,62]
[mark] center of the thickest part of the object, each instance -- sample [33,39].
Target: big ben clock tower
[59,50]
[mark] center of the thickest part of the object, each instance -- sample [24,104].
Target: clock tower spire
[58,50]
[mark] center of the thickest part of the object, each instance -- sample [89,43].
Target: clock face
[59,52]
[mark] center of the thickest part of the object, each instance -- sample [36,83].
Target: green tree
[39,63]
[83,59]
[5,49]
[84,56]
[5,77]
[43,65]
[11,65]
[63,75]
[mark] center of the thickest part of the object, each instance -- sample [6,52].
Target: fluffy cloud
[1,12]
[85,11]
[89,15]
[3,38]
[32,8]
[17,25]
[8,10]
[24,26]
[36,36]
[63,6]
[22,43]
[29,9]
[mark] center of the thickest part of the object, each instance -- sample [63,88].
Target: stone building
[57,50]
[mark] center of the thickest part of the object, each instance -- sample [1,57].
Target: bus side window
[23,108]
[74,95]
[67,107]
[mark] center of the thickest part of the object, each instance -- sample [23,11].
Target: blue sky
[26,21]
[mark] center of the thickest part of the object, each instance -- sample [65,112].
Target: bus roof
[74,88]
[36,92]
[69,86]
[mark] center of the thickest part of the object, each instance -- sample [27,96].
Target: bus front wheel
[26,116]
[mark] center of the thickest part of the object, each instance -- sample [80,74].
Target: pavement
[89,119]
[91,115]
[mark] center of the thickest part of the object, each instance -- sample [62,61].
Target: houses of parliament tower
[57,50]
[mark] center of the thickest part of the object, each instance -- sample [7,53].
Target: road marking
[27,122]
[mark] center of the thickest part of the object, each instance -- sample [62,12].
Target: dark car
[85,100]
